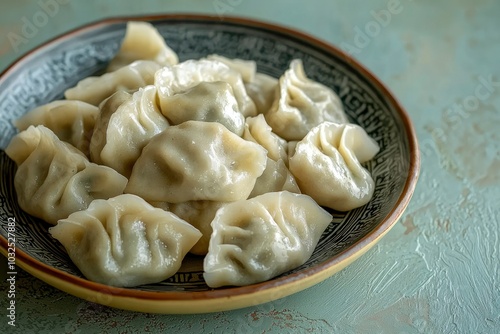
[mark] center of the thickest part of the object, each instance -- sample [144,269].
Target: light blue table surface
[437,271]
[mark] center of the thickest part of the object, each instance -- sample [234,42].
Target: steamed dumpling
[257,239]
[127,122]
[199,214]
[142,42]
[71,121]
[258,131]
[276,177]
[207,102]
[94,90]
[327,165]
[54,179]
[125,242]
[262,91]
[197,161]
[247,68]
[302,104]
[179,78]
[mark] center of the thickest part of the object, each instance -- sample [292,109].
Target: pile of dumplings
[156,159]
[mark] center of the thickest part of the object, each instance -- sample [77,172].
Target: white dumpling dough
[302,104]
[53,179]
[247,68]
[179,78]
[207,102]
[258,131]
[199,214]
[276,177]
[197,161]
[142,42]
[125,242]
[262,91]
[94,90]
[126,123]
[71,121]
[257,239]
[327,165]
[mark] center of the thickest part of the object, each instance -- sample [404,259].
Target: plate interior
[43,75]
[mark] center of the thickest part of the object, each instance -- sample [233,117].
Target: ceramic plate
[43,74]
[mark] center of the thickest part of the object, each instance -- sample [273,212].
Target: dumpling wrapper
[258,131]
[327,165]
[125,242]
[247,68]
[276,177]
[197,161]
[126,123]
[260,238]
[302,104]
[71,121]
[96,89]
[199,214]
[142,42]
[179,78]
[262,91]
[207,102]
[54,179]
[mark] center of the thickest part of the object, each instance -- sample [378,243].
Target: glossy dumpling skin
[71,121]
[125,242]
[142,42]
[327,165]
[199,214]
[94,90]
[257,239]
[126,123]
[179,78]
[262,91]
[276,177]
[302,104]
[197,161]
[53,179]
[207,102]
[247,68]
[258,131]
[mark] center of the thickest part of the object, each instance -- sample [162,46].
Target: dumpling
[54,179]
[247,68]
[207,102]
[197,161]
[94,90]
[199,214]
[327,165]
[302,104]
[125,242]
[179,78]
[106,109]
[257,239]
[71,121]
[276,177]
[290,148]
[262,91]
[142,42]
[258,131]
[125,125]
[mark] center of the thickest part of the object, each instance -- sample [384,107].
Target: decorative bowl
[43,74]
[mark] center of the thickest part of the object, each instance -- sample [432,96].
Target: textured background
[437,271]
